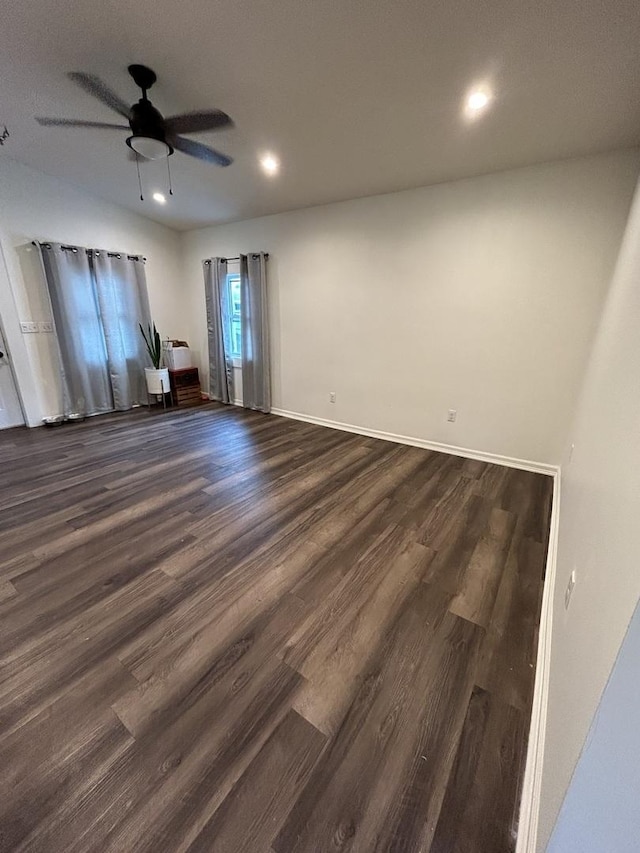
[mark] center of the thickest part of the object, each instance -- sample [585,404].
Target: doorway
[10,408]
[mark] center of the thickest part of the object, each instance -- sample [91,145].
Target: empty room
[319,406]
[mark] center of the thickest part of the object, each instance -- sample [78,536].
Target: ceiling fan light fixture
[149,147]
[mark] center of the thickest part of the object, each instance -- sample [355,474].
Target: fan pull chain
[169,174]
[139,178]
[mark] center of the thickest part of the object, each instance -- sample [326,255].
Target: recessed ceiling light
[478,100]
[159,197]
[270,164]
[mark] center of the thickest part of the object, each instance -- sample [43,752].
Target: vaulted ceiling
[355,97]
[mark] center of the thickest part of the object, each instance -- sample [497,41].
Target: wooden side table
[185,386]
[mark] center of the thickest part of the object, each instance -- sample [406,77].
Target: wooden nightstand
[185,386]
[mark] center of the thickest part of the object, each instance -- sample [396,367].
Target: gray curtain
[97,300]
[217,302]
[86,387]
[124,305]
[256,371]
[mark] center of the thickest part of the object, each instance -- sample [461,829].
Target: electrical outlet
[332,396]
[28,328]
[46,326]
[569,590]
[452,415]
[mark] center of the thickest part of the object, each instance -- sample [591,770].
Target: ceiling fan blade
[94,86]
[70,122]
[198,121]
[197,149]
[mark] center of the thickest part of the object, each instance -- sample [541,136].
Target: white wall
[480,295]
[599,533]
[601,813]
[36,206]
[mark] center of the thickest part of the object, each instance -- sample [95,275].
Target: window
[235,327]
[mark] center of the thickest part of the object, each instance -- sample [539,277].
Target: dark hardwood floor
[226,631]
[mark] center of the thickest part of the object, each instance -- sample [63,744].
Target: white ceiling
[356,97]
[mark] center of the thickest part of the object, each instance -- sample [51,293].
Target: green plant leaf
[153,343]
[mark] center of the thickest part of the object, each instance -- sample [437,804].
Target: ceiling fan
[152,136]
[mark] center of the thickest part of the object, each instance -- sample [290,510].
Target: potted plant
[156,377]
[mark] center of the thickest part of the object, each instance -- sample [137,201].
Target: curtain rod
[90,251]
[252,254]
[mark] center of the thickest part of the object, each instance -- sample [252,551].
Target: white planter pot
[157,380]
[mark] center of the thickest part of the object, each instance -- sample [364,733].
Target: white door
[10,409]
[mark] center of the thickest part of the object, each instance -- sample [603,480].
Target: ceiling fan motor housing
[146,121]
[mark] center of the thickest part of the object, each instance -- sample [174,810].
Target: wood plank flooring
[225,631]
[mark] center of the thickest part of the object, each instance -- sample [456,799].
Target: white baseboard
[530,800]
[511,462]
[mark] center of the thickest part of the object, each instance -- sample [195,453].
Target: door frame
[19,362]
[9,364]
